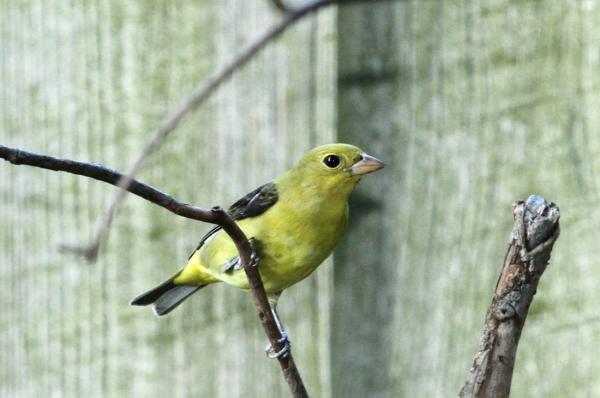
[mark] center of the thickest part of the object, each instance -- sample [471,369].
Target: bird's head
[335,167]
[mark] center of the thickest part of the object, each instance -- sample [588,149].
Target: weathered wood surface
[90,81]
[474,105]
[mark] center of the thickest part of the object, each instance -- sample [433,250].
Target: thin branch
[200,95]
[216,215]
[281,6]
[535,230]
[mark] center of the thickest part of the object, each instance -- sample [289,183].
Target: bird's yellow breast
[298,244]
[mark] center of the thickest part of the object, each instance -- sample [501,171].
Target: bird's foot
[235,263]
[287,346]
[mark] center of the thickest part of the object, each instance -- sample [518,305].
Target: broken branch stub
[536,228]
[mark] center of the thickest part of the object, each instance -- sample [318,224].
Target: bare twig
[535,230]
[200,95]
[216,215]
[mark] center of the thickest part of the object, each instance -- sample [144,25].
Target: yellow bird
[294,223]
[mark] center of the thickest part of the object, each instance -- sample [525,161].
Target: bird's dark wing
[255,203]
[251,205]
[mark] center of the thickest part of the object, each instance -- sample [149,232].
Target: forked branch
[215,215]
[535,230]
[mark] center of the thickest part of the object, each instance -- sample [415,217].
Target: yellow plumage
[299,219]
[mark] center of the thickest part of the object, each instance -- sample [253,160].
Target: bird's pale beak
[366,165]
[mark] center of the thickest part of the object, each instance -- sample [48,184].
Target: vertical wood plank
[89,80]
[493,101]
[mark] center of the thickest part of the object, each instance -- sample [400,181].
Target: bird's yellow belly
[289,250]
[287,262]
[296,247]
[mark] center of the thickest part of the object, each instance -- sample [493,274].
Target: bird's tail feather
[166,296]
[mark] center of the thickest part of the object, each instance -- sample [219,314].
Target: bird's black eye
[331,161]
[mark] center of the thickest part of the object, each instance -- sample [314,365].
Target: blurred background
[472,104]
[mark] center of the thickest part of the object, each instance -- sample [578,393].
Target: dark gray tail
[166,296]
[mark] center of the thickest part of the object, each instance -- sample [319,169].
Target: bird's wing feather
[251,205]
[254,203]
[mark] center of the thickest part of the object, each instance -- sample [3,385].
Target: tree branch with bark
[536,228]
[215,215]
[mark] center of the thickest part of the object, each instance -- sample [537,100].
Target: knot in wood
[506,308]
[504,311]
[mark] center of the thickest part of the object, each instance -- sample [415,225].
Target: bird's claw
[287,346]
[254,259]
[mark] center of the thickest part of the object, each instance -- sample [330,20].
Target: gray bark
[535,231]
